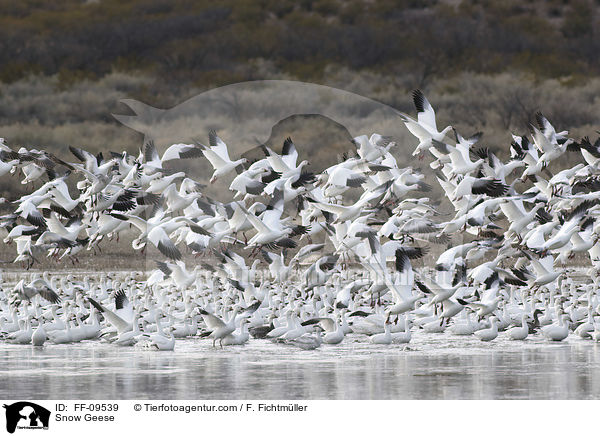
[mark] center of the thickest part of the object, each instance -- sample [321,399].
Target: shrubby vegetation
[38,112]
[205,41]
[485,65]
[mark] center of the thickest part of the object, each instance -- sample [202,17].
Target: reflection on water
[431,367]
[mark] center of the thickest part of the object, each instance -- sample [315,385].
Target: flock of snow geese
[307,259]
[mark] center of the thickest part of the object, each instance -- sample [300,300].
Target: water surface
[432,366]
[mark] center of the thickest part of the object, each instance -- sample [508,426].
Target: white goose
[39,335]
[557,331]
[424,127]
[240,338]
[490,333]
[405,336]
[160,340]
[122,317]
[218,156]
[384,338]
[519,333]
[220,328]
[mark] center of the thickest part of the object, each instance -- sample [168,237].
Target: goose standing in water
[557,331]
[307,341]
[384,338]
[39,335]
[220,329]
[160,340]
[490,333]
[405,336]
[519,333]
[240,338]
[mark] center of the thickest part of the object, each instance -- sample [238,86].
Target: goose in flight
[122,317]
[27,292]
[218,155]
[548,142]
[371,149]
[155,230]
[270,228]
[424,127]
[348,213]
[175,151]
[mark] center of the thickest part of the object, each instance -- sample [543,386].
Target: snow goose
[279,330]
[92,164]
[334,332]
[447,260]
[477,186]
[585,329]
[544,272]
[122,317]
[277,267]
[373,148]
[286,162]
[349,213]
[130,337]
[460,156]
[179,274]
[570,227]
[285,165]
[38,338]
[155,230]
[160,340]
[23,335]
[218,156]
[158,184]
[424,127]
[340,180]
[240,338]
[405,182]
[319,272]
[175,151]
[308,341]
[27,292]
[517,216]
[335,336]
[488,304]
[7,164]
[404,298]
[557,331]
[590,152]
[519,333]
[435,325]
[248,182]
[384,338]
[405,336]
[61,336]
[270,228]
[490,333]
[464,326]
[547,141]
[178,200]
[220,329]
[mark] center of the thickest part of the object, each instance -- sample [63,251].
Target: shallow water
[432,366]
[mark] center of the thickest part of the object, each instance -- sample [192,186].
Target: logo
[26,415]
